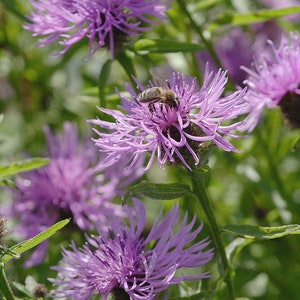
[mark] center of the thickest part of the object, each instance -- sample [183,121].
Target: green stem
[199,191]
[126,63]
[4,286]
[102,81]
[206,42]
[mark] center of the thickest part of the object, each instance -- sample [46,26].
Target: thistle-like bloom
[237,47]
[125,262]
[233,50]
[276,81]
[69,186]
[173,121]
[102,22]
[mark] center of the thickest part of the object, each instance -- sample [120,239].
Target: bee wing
[162,75]
[150,94]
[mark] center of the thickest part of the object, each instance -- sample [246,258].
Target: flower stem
[4,286]
[199,190]
[127,64]
[206,42]
[102,81]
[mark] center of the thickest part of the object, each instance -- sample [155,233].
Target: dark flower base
[290,107]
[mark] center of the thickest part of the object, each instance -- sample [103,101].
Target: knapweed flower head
[237,47]
[173,120]
[233,49]
[275,81]
[102,22]
[124,261]
[69,186]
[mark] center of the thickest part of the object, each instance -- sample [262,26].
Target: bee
[158,94]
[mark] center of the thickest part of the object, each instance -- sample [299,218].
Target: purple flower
[69,186]
[275,81]
[127,262]
[172,122]
[237,47]
[233,49]
[103,22]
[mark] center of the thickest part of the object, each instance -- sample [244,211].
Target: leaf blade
[36,240]
[8,183]
[261,233]
[157,191]
[102,81]
[252,17]
[22,166]
[163,46]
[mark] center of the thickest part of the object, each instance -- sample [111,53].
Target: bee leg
[151,107]
[177,101]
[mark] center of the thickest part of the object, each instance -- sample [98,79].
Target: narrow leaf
[235,247]
[8,183]
[6,251]
[252,17]
[157,191]
[22,166]
[36,240]
[125,60]
[102,81]
[163,46]
[204,4]
[261,233]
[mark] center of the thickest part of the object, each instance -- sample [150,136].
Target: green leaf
[90,92]
[157,191]
[204,4]
[6,251]
[252,17]
[36,240]
[22,166]
[235,247]
[126,61]
[163,46]
[261,233]
[12,6]
[8,183]
[102,81]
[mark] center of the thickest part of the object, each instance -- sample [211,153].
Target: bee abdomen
[151,94]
